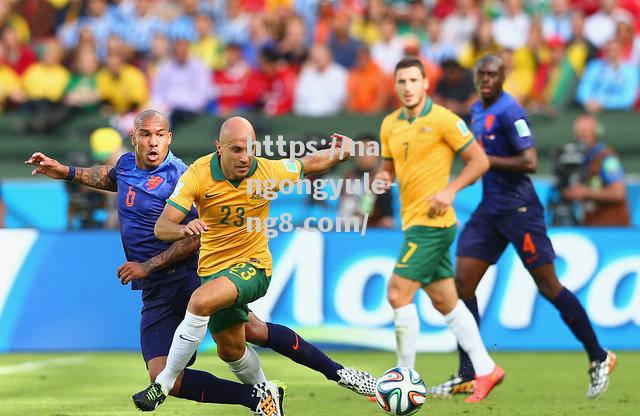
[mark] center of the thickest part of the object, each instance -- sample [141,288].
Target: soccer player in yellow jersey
[419,141]
[234,264]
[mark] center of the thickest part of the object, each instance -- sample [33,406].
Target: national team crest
[488,121]
[153,182]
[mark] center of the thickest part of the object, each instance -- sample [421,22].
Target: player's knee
[199,304]
[397,298]
[464,289]
[549,288]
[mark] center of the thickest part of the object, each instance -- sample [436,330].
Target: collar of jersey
[216,170]
[425,110]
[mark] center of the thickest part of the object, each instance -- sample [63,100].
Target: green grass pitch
[92,384]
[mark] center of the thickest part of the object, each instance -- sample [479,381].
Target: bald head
[236,128]
[148,115]
[488,76]
[236,135]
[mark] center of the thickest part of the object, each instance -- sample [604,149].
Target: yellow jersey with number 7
[422,150]
[225,205]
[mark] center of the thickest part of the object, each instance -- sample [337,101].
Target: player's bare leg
[286,342]
[469,272]
[400,293]
[602,362]
[445,299]
[156,365]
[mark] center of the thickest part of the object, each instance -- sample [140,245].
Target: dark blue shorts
[163,309]
[486,235]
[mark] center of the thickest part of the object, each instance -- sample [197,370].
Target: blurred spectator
[366,27]
[139,25]
[259,38]
[437,49]
[324,18]
[557,23]
[208,47]
[459,26]
[183,26]
[415,23]
[182,86]
[322,86]
[18,55]
[389,50]
[511,30]
[8,17]
[233,22]
[121,85]
[343,47]
[482,43]
[608,83]
[82,91]
[272,86]
[159,54]
[629,40]
[358,203]
[10,83]
[44,84]
[600,27]
[455,89]
[292,47]
[580,50]
[366,92]
[40,16]
[100,19]
[520,73]
[555,82]
[602,190]
[232,82]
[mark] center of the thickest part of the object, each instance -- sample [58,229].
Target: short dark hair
[408,62]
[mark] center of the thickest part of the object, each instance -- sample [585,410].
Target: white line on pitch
[37,365]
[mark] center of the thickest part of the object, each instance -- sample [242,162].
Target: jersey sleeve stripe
[387,158]
[301,169]
[175,205]
[466,145]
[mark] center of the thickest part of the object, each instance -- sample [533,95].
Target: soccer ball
[400,391]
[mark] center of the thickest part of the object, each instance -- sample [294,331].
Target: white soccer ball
[401,391]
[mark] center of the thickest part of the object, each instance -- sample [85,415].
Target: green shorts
[425,254]
[252,284]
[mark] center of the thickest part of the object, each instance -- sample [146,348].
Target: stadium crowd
[307,57]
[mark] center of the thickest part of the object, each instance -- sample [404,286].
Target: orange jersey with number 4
[422,150]
[225,205]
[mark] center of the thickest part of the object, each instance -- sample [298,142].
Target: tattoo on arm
[96,177]
[178,251]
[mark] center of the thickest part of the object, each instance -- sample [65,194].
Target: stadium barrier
[59,291]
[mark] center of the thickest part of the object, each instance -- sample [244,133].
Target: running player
[419,142]
[144,179]
[234,264]
[510,212]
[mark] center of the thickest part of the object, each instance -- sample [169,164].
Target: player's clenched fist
[440,202]
[195,227]
[47,166]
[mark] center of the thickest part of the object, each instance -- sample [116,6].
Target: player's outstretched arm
[525,161]
[168,227]
[178,251]
[476,164]
[325,159]
[96,177]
